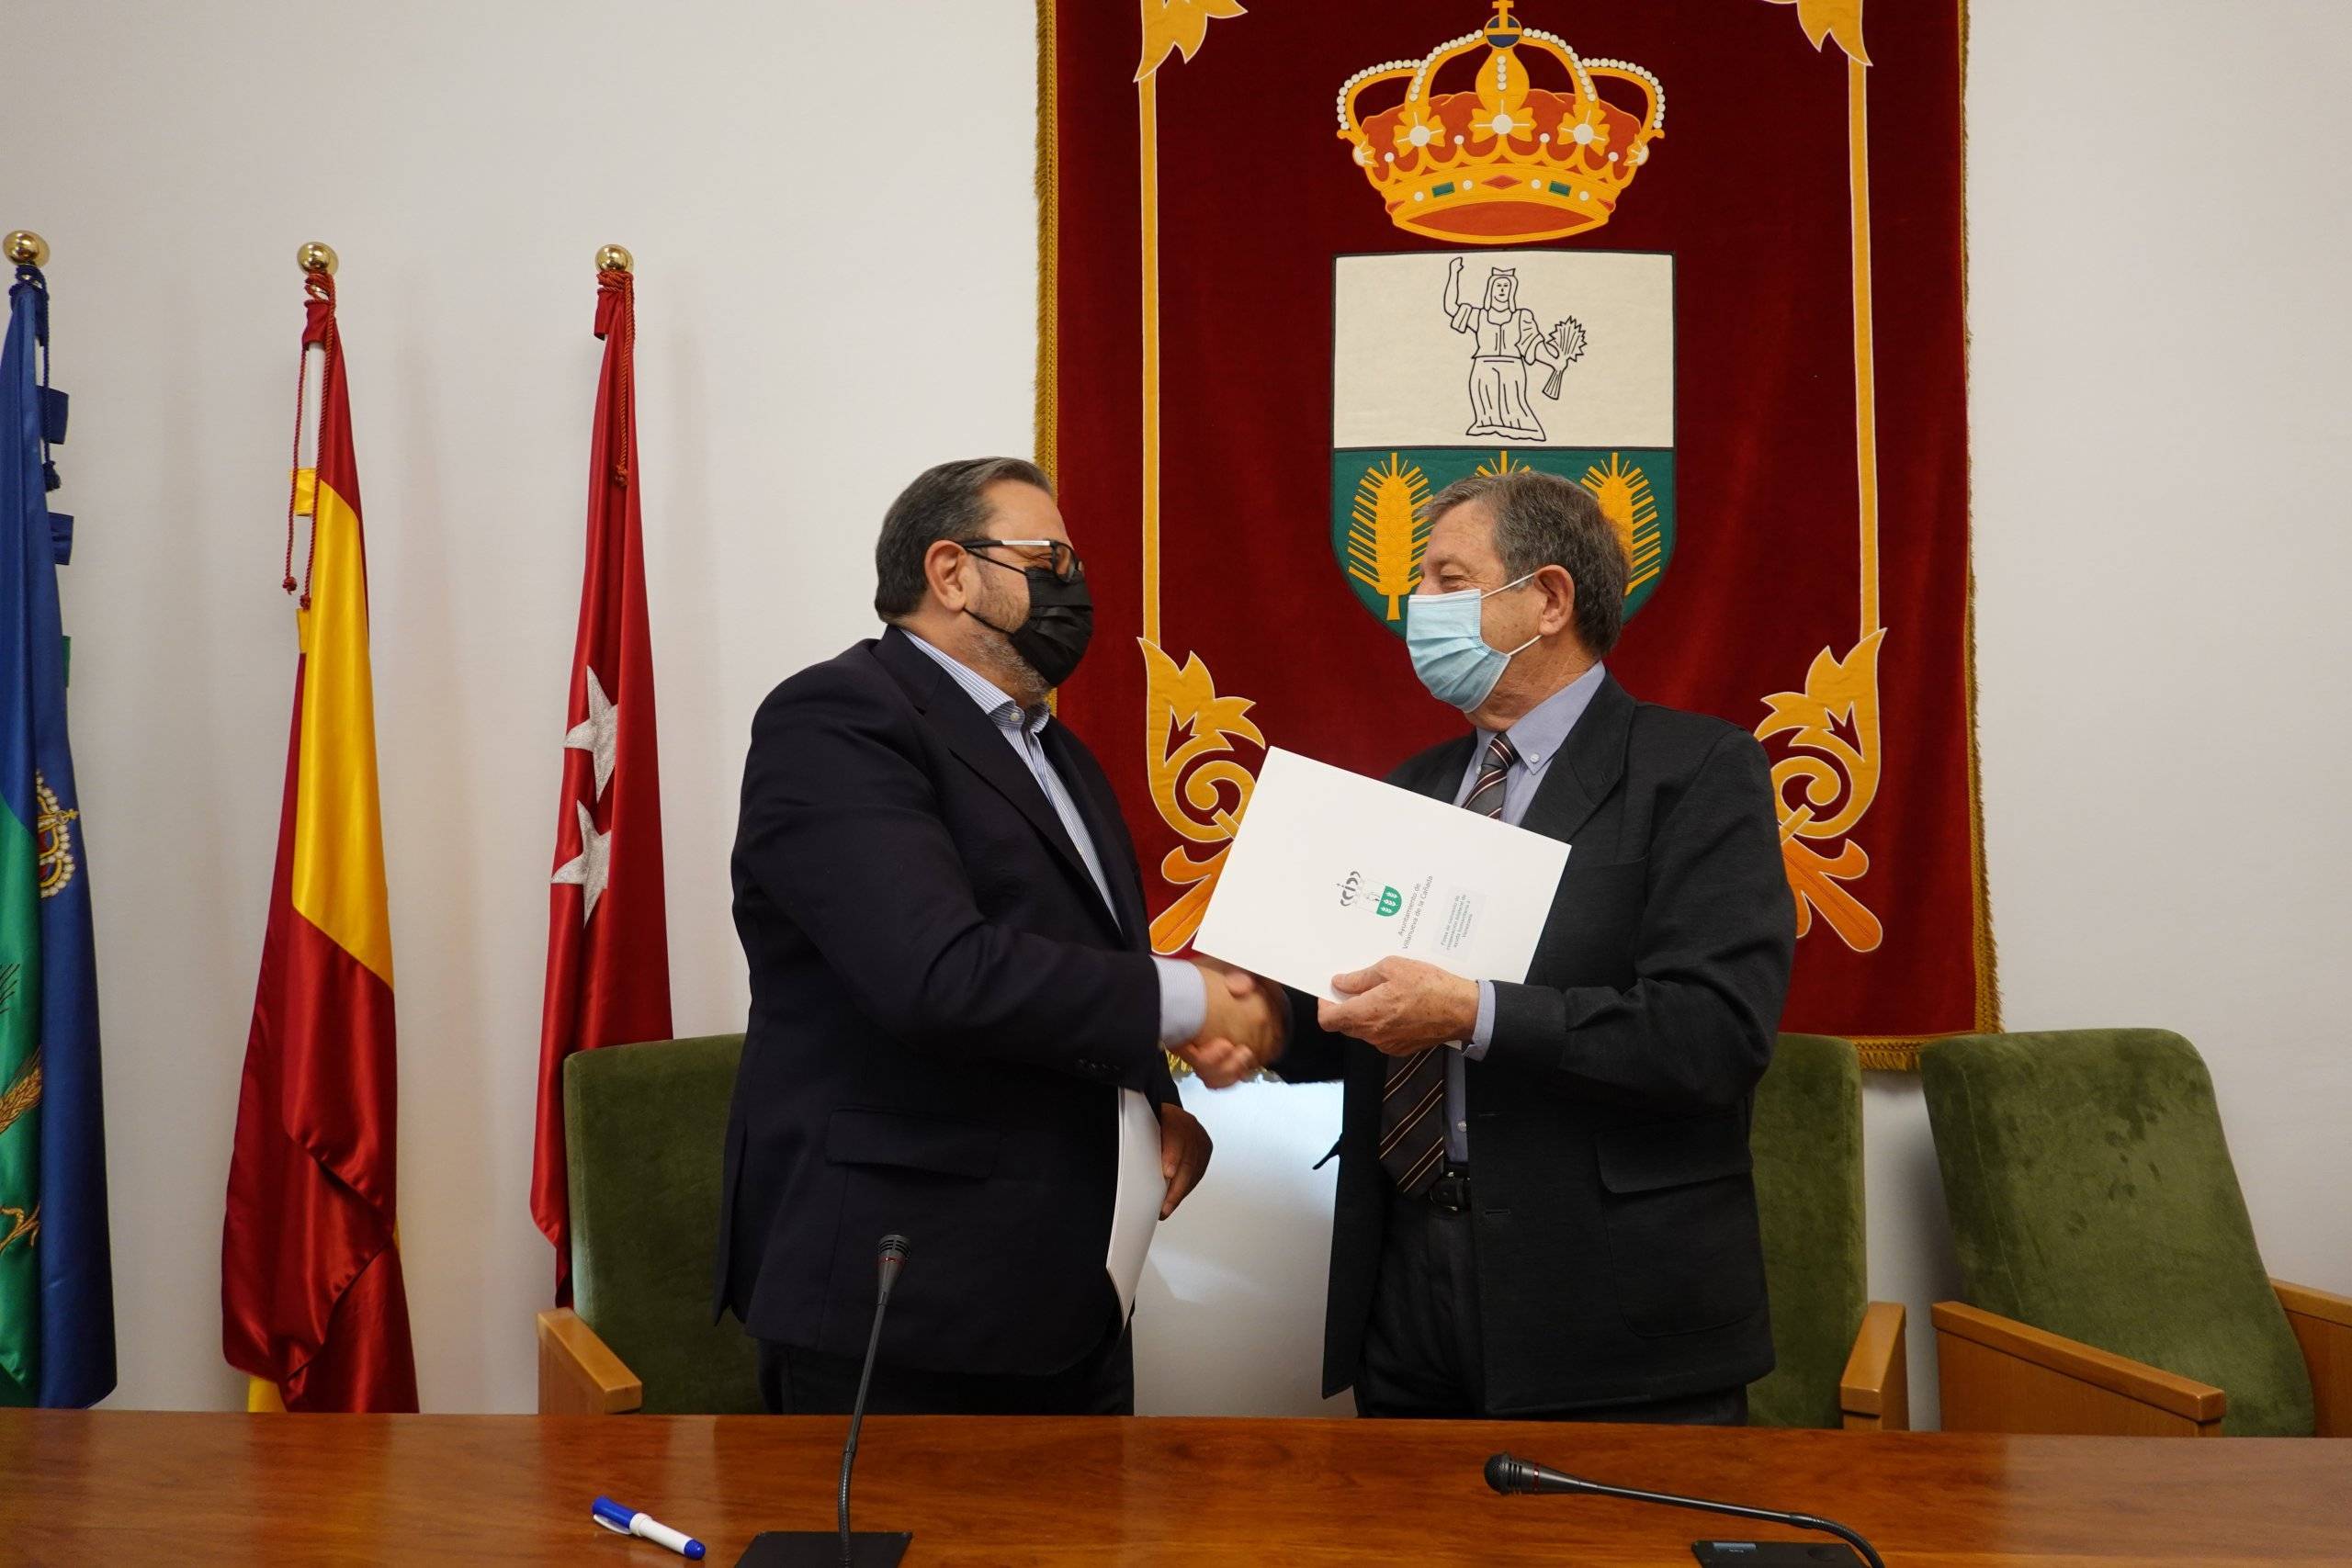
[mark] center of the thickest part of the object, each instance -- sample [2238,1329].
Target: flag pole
[263,1396]
[608,956]
[26,248]
[318,262]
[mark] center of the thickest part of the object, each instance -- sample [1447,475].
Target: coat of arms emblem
[1445,366]
[1502,137]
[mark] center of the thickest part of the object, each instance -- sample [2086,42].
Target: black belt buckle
[1451,1190]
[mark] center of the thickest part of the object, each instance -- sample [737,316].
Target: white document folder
[1135,1208]
[1331,871]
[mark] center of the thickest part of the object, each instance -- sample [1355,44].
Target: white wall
[813,331]
[2161,458]
[2162,472]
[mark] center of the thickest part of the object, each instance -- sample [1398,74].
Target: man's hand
[1184,1150]
[1400,1006]
[1247,1021]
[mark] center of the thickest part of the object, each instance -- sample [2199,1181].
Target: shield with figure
[1446,365]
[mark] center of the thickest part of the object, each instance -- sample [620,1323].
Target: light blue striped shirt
[1183,995]
[1536,738]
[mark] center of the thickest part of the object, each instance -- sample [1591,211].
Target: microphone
[893,1260]
[841,1549]
[1508,1475]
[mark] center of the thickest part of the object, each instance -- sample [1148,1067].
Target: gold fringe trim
[1989,968]
[1048,234]
[1898,1053]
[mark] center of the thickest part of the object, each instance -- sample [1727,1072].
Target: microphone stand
[840,1548]
[1508,1475]
[894,1257]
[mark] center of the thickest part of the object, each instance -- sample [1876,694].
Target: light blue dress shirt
[1183,995]
[1537,738]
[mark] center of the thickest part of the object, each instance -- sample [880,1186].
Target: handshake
[1247,1026]
[1399,1006]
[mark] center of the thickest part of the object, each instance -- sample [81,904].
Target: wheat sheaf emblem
[22,1095]
[20,1225]
[1388,529]
[1622,491]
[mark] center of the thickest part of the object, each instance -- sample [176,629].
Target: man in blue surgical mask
[1544,1206]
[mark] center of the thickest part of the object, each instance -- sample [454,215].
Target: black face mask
[1061,624]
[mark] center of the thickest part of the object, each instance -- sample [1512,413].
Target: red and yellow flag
[311,1301]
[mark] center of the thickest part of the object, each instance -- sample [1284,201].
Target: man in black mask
[957,1018]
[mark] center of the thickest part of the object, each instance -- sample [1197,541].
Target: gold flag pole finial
[316,257]
[26,249]
[615,258]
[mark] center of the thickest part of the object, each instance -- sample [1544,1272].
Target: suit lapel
[975,738]
[1099,809]
[1588,768]
[1440,778]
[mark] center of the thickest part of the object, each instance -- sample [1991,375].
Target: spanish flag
[312,1302]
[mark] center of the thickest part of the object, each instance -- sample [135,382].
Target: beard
[1014,673]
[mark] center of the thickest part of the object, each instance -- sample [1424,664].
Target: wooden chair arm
[1874,1391]
[2000,1375]
[579,1374]
[2323,1326]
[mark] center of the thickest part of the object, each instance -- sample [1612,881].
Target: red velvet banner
[1304,264]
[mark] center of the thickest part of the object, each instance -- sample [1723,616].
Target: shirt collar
[1543,729]
[986,695]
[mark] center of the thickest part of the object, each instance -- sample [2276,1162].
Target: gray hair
[1543,520]
[949,502]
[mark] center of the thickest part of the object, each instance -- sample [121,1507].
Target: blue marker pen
[628,1521]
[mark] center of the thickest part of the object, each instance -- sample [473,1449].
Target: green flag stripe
[19,1102]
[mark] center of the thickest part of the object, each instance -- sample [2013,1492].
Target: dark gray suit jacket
[1618,1253]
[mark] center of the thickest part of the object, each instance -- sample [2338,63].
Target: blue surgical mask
[1443,633]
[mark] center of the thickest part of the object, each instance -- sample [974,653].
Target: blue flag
[56,1273]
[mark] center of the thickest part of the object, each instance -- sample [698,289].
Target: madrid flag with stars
[608,938]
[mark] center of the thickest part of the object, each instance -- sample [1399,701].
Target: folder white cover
[1135,1208]
[1331,871]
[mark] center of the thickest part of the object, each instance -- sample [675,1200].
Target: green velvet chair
[1839,1355]
[2112,1278]
[644,1130]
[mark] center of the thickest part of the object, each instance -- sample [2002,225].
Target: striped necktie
[1412,1131]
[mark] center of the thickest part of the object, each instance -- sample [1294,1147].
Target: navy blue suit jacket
[942,1012]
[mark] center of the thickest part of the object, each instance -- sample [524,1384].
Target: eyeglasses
[1058,558]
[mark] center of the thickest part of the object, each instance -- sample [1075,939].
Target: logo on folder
[1385,902]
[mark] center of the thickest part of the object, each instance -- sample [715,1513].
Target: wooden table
[79,1489]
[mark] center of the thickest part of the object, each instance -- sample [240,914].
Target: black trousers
[1424,1353]
[806,1382]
